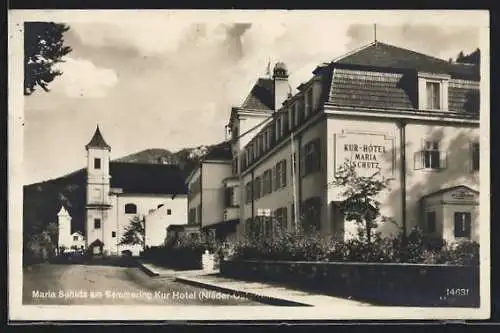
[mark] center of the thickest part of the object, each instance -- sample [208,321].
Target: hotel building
[413,117]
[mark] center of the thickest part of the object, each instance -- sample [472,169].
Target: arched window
[130,208]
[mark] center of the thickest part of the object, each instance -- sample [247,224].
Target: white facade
[110,210]
[170,212]
[438,156]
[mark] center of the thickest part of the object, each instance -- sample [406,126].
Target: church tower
[64,229]
[98,187]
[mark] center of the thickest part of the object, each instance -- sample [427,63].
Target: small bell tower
[98,187]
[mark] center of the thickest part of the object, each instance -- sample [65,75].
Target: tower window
[130,208]
[97,223]
[97,163]
[113,234]
[169,212]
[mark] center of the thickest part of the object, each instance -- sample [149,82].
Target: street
[52,284]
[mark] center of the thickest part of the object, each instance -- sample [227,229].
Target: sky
[160,82]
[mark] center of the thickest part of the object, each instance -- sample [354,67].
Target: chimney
[281,87]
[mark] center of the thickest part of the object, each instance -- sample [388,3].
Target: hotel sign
[369,151]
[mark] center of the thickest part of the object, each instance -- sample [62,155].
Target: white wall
[194,200]
[213,196]
[158,220]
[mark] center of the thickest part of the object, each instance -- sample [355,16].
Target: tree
[134,232]
[52,230]
[472,58]
[43,48]
[360,193]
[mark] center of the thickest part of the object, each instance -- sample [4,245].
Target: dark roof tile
[147,178]
[261,96]
[97,141]
[220,152]
[381,55]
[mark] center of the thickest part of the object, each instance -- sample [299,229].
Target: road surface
[52,284]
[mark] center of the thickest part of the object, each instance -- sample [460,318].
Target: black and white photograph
[248,165]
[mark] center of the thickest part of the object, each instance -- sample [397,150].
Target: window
[311,213]
[169,212]
[198,214]
[431,222]
[278,128]
[292,216]
[280,215]
[293,164]
[433,91]
[75,238]
[462,221]
[97,163]
[230,197]
[265,146]
[235,133]
[299,111]
[286,129]
[430,157]
[267,182]
[248,192]
[309,103]
[257,188]
[113,234]
[235,166]
[291,115]
[311,158]
[160,205]
[130,208]
[475,156]
[280,175]
[192,216]
[97,223]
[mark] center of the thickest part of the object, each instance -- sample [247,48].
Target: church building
[117,192]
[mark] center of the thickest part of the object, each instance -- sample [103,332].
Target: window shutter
[442,159]
[467,228]
[302,162]
[457,224]
[283,168]
[418,159]
[275,180]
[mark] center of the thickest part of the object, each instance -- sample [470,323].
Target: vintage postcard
[248,165]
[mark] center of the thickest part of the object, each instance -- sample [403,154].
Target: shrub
[182,253]
[289,246]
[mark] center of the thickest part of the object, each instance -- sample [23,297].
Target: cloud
[82,79]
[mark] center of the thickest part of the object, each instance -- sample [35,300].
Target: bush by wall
[313,247]
[181,253]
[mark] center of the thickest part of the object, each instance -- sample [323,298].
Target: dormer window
[433,92]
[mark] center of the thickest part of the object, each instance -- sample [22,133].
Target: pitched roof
[220,152]
[449,189]
[261,97]
[147,178]
[97,141]
[381,55]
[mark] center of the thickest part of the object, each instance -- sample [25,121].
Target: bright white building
[411,116]
[212,205]
[118,192]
